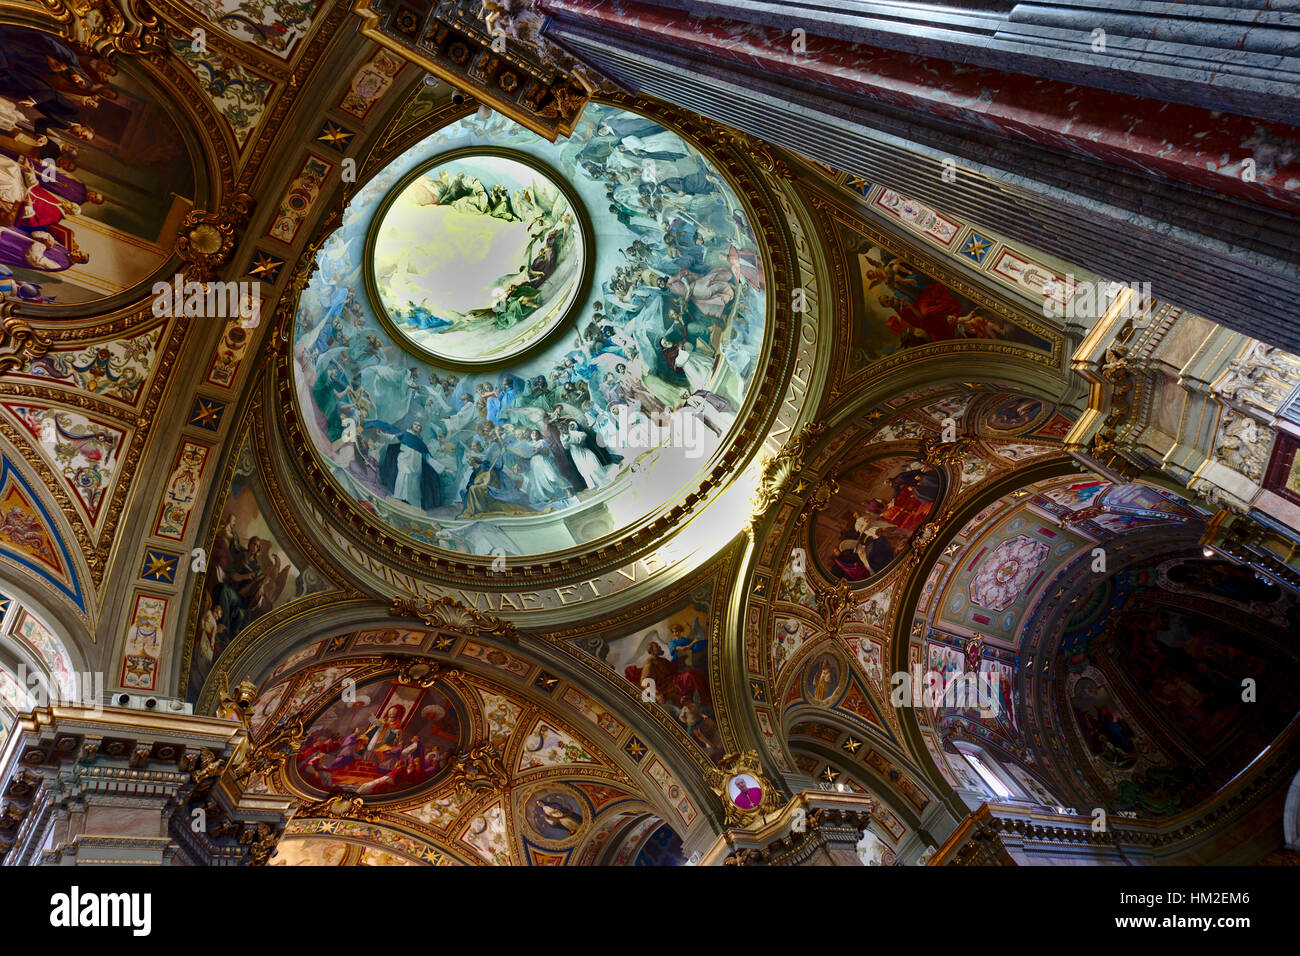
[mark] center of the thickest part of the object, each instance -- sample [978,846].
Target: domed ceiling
[487,343]
[517,347]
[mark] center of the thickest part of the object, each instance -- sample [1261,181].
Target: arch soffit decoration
[780,528]
[307,686]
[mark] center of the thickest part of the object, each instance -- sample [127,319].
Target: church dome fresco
[517,347]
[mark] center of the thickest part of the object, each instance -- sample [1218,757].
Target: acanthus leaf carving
[779,471]
[19,342]
[449,613]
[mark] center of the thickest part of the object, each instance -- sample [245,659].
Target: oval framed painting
[384,741]
[478,257]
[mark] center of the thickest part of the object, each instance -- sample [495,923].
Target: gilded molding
[447,612]
[207,239]
[19,342]
[482,769]
[730,765]
[779,473]
[111,26]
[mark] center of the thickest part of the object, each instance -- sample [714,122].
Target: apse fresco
[94,174]
[627,397]
[389,738]
[869,524]
[901,308]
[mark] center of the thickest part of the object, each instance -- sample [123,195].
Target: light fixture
[1207,551]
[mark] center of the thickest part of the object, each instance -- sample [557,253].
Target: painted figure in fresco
[543,482]
[248,581]
[1015,413]
[678,678]
[385,728]
[407,469]
[373,745]
[701,727]
[822,679]
[48,92]
[554,813]
[865,555]
[593,461]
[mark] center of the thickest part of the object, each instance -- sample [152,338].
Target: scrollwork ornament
[447,612]
[819,500]
[260,838]
[19,342]
[339,808]
[924,537]
[108,27]
[482,769]
[418,672]
[269,755]
[779,471]
[938,452]
[761,154]
[835,603]
[207,239]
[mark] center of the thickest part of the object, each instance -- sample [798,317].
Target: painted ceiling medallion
[746,794]
[478,256]
[1005,572]
[383,739]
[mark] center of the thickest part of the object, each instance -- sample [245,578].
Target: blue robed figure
[420,317]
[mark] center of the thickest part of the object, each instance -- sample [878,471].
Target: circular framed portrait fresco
[1016,414]
[745,791]
[478,256]
[555,815]
[822,679]
[383,741]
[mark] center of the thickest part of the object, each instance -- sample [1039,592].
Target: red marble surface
[1183,143]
